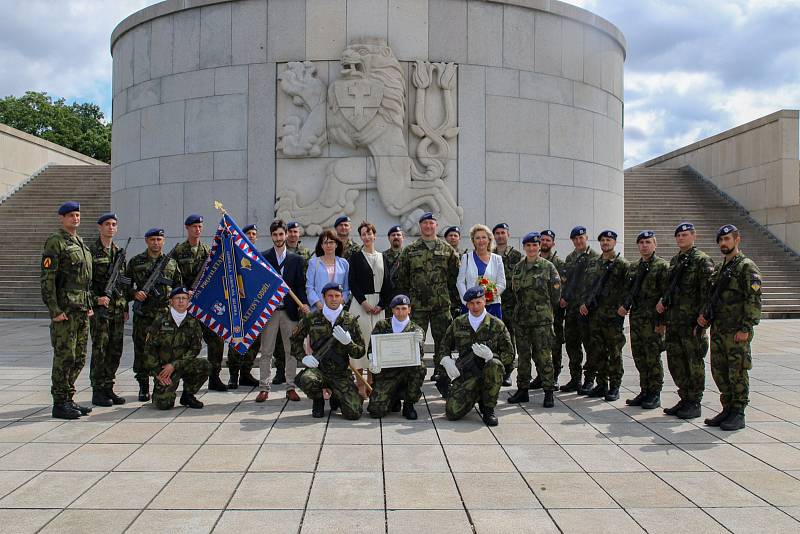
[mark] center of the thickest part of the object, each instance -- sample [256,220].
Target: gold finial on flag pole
[218,206]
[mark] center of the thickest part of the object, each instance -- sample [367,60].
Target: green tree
[79,127]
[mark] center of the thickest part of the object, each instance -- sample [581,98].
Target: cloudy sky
[694,67]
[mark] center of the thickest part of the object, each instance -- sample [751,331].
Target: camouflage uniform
[394,382]
[333,372]
[511,257]
[108,333]
[303,252]
[392,257]
[738,309]
[558,321]
[190,263]
[456,307]
[536,287]
[139,269]
[428,276]
[243,362]
[177,345]
[349,248]
[66,278]
[685,350]
[576,328]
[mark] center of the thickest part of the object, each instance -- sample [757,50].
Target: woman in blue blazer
[326,266]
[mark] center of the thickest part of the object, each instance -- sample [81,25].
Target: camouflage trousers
[243,362]
[69,353]
[140,325]
[107,337]
[535,345]
[216,346]
[465,391]
[390,384]
[576,337]
[685,353]
[646,347]
[194,374]
[607,339]
[730,362]
[508,313]
[439,321]
[558,344]
[311,381]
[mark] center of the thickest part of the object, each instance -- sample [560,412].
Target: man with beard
[392,254]
[342,226]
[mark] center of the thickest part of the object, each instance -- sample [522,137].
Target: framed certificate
[395,350]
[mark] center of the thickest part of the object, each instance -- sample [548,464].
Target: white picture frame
[395,350]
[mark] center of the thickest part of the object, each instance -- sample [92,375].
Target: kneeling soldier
[405,381]
[484,347]
[173,343]
[334,337]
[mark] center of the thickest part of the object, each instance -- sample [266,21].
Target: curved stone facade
[539,105]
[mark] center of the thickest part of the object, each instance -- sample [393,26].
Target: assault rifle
[155,279]
[464,363]
[674,280]
[115,281]
[599,286]
[722,283]
[641,271]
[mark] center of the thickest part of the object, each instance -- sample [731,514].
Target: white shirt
[399,326]
[331,315]
[475,322]
[178,317]
[280,255]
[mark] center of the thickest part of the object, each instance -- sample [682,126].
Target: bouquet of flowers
[489,287]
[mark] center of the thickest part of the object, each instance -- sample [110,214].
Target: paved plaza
[237,466]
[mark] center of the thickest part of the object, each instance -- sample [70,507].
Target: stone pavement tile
[184,433]
[296,433]
[148,412]
[5,448]
[478,459]
[680,431]
[346,491]
[603,458]
[445,521]
[175,521]
[556,415]
[95,457]
[602,521]
[11,480]
[793,511]
[285,457]
[745,435]
[414,459]
[156,457]
[117,491]
[25,521]
[775,487]
[640,490]
[675,521]
[504,521]
[725,457]
[527,434]
[746,520]
[780,430]
[495,491]
[512,414]
[464,433]
[250,412]
[50,489]
[240,433]
[360,433]
[422,491]
[201,491]
[568,490]
[91,521]
[778,455]
[664,458]
[629,433]
[36,456]
[344,522]
[107,415]
[541,459]
[405,433]
[602,412]
[710,489]
[82,432]
[125,432]
[575,434]
[259,522]
[24,432]
[271,491]
[350,458]
[221,458]
[211,412]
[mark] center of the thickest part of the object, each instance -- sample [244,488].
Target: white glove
[342,335]
[310,361]
[482,351]
[449,365]
[373,367]
[419,337]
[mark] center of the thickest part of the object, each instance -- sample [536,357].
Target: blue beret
[578,230]
[683,227]
[180,290]
[393,229]
[69,207]
[456,229]
[193,219]
[551,234]
[340,220]
[292,224]
[645,234]
[427,216]
[331,286]
[106,216]
[611,234]
[400,300]
[725,230]
[499,226]
[154,232]
[473,293]
[531,237]
[250,227]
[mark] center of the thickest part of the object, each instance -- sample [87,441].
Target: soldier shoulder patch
[48,262]
[755,282]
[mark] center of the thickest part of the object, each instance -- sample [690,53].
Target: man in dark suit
[284,318]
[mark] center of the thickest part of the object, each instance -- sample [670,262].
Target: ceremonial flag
[238,290]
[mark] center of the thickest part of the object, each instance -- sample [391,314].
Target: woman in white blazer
[482,264]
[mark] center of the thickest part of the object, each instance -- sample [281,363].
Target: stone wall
[540,104]
[757,165]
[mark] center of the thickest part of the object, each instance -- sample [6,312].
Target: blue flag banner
[238,290]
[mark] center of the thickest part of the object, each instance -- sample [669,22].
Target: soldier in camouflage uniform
[66,278]
[173,343]
[110,313]
[547,247]
[484,348]
[647,282]
[397,382]
[536,286]
[576,327]
[191,257]
[607,276]
[331,370]
[342,227]
[242,364]
[689,274]
[734,306]
[427,274]
[453,236]
[392,254]
[139,269]
[511,257]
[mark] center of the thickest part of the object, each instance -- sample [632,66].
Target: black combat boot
[99,398]
[85,410]
[735,421]
[190,401]
[572,385]
[507,379]
[214,383]
[690,410]
[521,395]
[334,402]
[637,400]
[233,381]
[64,410]
[612,394]
[536,383]
[586,387]
[651,400]
[247,380]
[719,418]
[409,412]
[599,390]
[548,402]
[280,377]
[489,417]
[116,399]
[674,410]
[144,389]
[396,405]
[318,407]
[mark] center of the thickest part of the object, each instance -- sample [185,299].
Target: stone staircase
[30,215]
[658,199]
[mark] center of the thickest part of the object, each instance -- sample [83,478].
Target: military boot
[190,401]
[280,377]
[247,380]
[99,398]
[409,412]
[637,400]
[318,408]
[507,379]
[396,404]
[598,391]
[586,387]
[334,402]
[674,410]
[144,389]
[690,410]
[85,410]
[651,400]
[536,383]
[233,381]
[572,385]
[612,394]
[549,401]
[64,410]
[735,421]
[214,383]
[489,417]
[116,399]
[521,395]
[719,418]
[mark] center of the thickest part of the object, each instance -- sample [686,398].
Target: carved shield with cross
[359,100]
